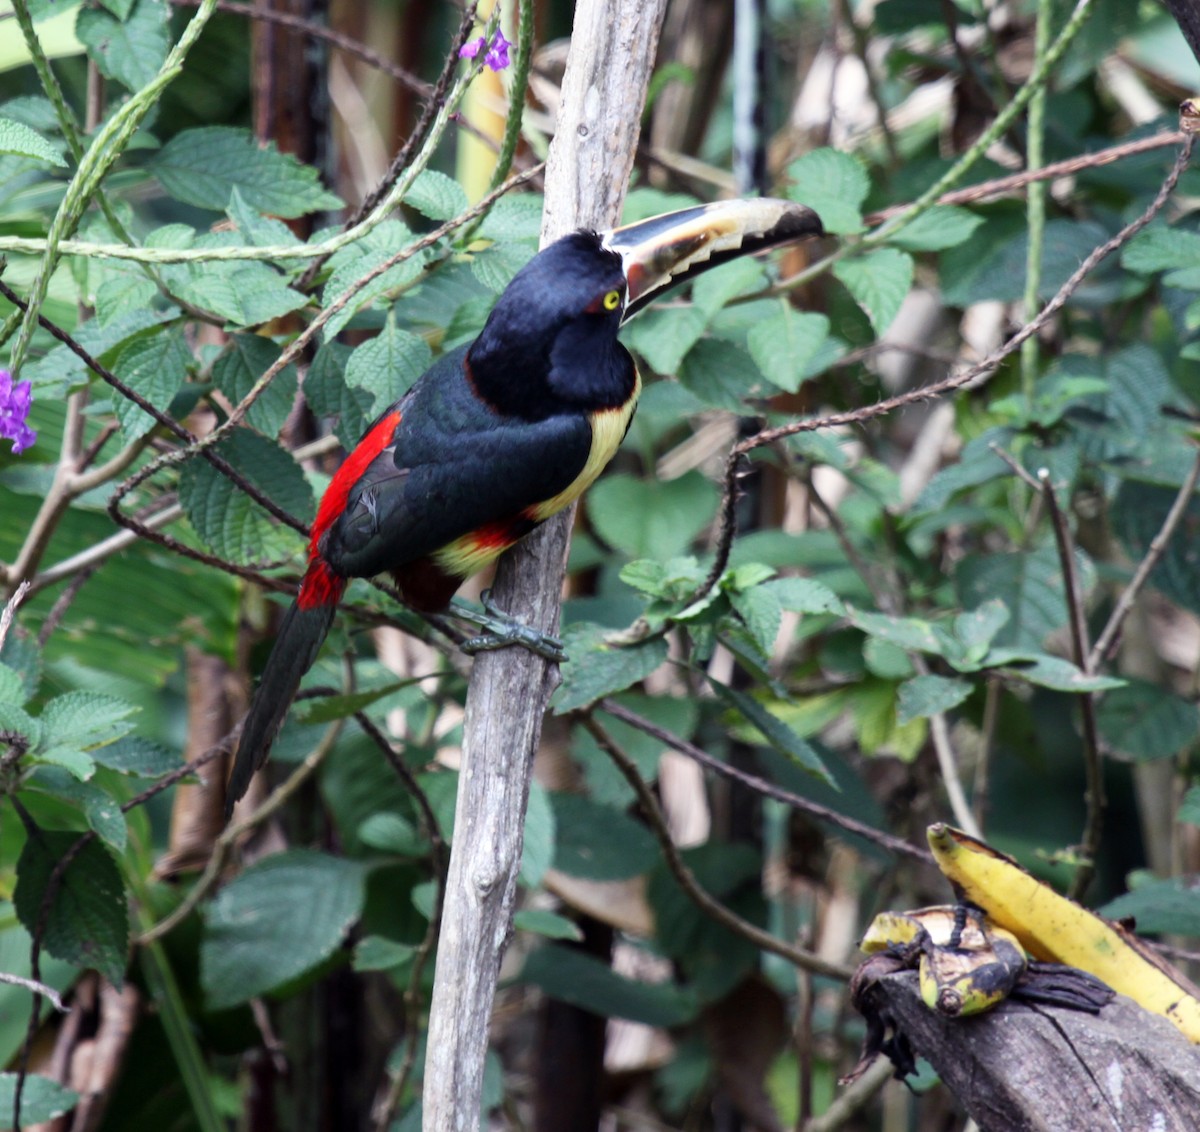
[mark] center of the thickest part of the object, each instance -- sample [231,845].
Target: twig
[806,960]
[10,610]
[1158,546]
[851,1100]
[947,384]
[37,988]
[762,786]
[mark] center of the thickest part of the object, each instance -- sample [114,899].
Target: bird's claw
[500,630]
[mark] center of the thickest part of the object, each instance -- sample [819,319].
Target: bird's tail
[300,636]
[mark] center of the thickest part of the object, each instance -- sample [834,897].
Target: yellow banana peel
[1056,929]
[967,964]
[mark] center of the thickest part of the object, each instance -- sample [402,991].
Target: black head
[551,340]
[550,343]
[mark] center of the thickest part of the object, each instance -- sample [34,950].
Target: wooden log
[1027,1068]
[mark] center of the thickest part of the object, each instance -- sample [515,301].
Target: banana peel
[1054,929]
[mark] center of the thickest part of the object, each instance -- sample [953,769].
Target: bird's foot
[500,630]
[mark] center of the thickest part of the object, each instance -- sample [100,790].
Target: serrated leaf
[248,357]
[879,282]
[543,922]
[495,267]
[784,345]
[579,979]
[943,226]
[929,695]
[388,365]
[137,756]
[83,720]
[435,195]
[1170,906]
[762,615]
[599,842]
[805,595]
[328,395]
[1138,514]
[225,517]
[131,49]
[595,669]
[663,336]
[245,294]
[773,729]
[17,138]
[834,185]
[279,919]
[651,518]
[41,1101]
[102,810]
[203,166]
[156,368]
[1160,248]
[720,374]
[355,262]
[19,722]
[710,292]
[88,924]
[1052,672]
[12,687]
[1143,721]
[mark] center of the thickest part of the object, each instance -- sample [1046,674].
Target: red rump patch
[494,535]
[333,502]
[321,586]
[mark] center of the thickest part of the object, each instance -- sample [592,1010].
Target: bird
[498,435]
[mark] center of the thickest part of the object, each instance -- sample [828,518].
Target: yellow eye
[612,300]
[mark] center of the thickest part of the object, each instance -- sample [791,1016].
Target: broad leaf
[17,138]
[599,842]
[929,695]
[879,282]
[595,668]
[1144,721]
[129,49]
[784,345]
[834,185]
[651,518]
[279,919]
[249,356]
[41,1101]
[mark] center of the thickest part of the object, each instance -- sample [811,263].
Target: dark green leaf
[595,669]
[435,195]
[88,923]
[203,166]
[249,356]
[375,953]
[156,368]
[579,979]
[943,226]
[784,345]
[133,755]
[41,1101]
[773,729]
[328,395]
[879,282]
[599,842]
[543,922]
[279,919]
[1189,808]
[226,518]
[130,50]
[388,365]
[1144,721]
[664,335]
[929,695]
[651,518]
[720,375]
[1170,906]
[537,848]
[1138,515]
[834,185]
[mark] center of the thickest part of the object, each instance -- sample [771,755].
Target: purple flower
[497,55]
[14,408]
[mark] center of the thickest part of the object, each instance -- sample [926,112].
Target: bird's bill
[670,249]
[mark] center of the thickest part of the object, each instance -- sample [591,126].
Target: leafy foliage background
[937,612]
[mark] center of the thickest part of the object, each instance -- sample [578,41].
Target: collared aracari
[499,435]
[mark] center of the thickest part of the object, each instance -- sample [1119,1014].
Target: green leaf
[156,368]
[720,374]
[1138,514]
[353,263]
[391,833]
[599,842]
[595,669]
[88,924]
[537,848]
[773,729]
[328,708]
[81,721]
[328,395]
[1189,808]
[250,356]
[496,266]
[929,695]
[19,139]
[879,282]
[710,292]
[42,1100]
[651,518]
[388,365]
[834,185]
[279,919]
[574,977]
[1051,672]
[130,50]
[99,807]
[804,595]
[662,336]
[543,922]
[203,166]
[226,518]
[137,756]
[977,628]
[1170,906]
[1160,248]
[909,633]
[435,195]
[17,721]
[762,615]
[943,226]
[1029,583]
[377,953]
[784,345]
[1143,721]
[12,687]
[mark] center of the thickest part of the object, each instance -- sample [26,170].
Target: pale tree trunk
[612,53]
